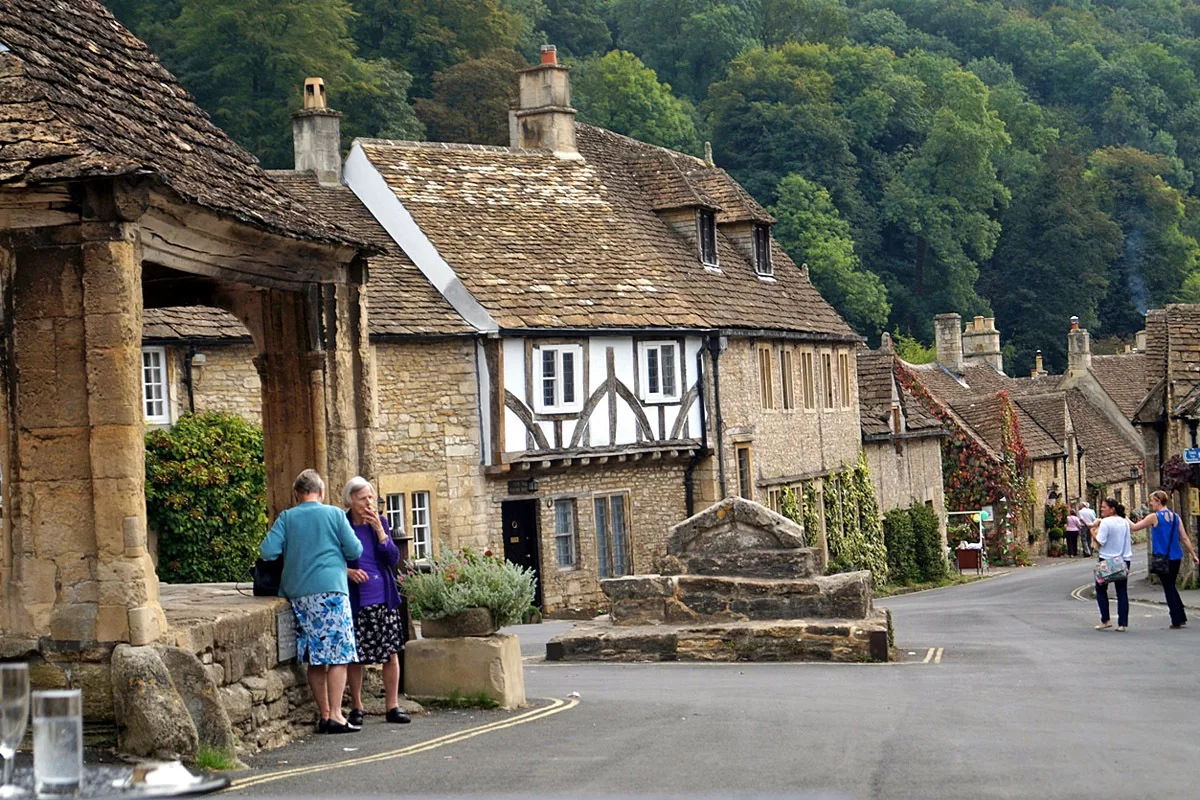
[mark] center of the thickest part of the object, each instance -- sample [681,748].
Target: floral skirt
[380,633]
[324,629]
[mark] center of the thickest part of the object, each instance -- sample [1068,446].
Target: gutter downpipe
[714,347]
[689,482]
[187,376]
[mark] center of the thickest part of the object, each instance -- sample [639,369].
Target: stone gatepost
[75,567]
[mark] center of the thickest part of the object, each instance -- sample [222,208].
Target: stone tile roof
[192,322]
[985,414]
[81,97]
[1043,422]
[547,242]
[1109,457]
[1123,378]
[402,302]
[876,372]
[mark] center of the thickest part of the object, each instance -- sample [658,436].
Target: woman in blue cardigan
[378,623]
[315,542]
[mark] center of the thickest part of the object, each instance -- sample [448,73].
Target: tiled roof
[1123,378]
[192,322]
[1109,457]
[81,97]
[985,414]
[402,302]
[1042,419]
[876,371]
[547,242]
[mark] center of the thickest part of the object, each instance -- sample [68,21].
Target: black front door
[520,520]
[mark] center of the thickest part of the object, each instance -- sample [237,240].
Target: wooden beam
[36,208]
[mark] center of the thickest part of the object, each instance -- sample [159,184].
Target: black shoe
[396,715]
[356,717]
[323,726]
[337,727]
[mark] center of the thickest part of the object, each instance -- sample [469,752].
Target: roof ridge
[412,144]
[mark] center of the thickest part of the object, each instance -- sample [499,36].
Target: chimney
[317,135]
[1039,368]
[1139,341]
[981,344]
[948,339]
[1079,350]
[543,118]
[886,344]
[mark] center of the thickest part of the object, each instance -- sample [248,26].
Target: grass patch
[459,700]
[889,590]
[214,760]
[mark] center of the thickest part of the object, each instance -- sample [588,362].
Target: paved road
[1027,701]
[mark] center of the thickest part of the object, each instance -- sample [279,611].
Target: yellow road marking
[937,659]
[928,656]
[1078,594]
[556,707]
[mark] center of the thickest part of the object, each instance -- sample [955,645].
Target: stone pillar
[76,566]
[948,340]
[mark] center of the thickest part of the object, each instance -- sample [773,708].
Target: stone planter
[472,622]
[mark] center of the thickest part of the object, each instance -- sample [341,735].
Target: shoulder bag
[1111,570]
[1160,563]
[267,575]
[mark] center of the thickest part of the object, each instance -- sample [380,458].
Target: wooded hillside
[1023,158]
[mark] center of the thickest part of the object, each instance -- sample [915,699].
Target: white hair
[354,486]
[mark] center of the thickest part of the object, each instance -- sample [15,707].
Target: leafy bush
[929,553]
[206,497]
[467,579]
[853,524]
[901,546]
[1055,516]
[1056,534]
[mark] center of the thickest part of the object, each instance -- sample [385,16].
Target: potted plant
[467,594]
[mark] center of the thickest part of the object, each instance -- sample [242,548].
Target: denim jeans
[1174,603]
[1122,588]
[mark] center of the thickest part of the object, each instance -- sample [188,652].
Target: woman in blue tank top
[1168,537]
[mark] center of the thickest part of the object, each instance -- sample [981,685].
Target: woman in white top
[1113,539]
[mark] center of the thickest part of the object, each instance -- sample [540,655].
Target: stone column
[75,519]
[349,389]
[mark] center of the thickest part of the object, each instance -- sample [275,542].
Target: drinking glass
[57,742]
[14,716]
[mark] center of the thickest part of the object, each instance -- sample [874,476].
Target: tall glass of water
[57,742]
[14,716]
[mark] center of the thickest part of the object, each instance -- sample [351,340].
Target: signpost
[1191,455]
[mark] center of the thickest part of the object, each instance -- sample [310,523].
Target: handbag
[1111,570]
[1160,563]
[267,576]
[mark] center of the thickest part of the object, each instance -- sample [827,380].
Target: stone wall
[908,477]
[227,382]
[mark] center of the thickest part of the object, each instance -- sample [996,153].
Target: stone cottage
[578,340]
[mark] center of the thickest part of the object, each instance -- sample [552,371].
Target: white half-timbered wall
[612,401]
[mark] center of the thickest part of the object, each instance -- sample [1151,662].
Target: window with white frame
[659,362]
[706,222]
[564,534]
[421,528]
[612,535]
[393,512]
[762,250]
[559,372]
[155,401]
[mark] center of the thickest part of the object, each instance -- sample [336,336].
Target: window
[762,250]
[564,534]
[844,378]
[612,532]
[559,386]
[707,223]
[808,380]
[393,512]
[785,378]
[827,378]
[775,499]
[420,525]
[659,371]
[766,389]
[744,476]
[154,386]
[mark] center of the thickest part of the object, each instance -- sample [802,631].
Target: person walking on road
[1072,531]
[1168,538]
[378,623]
[315,542]
[1086,517]
[1113,539]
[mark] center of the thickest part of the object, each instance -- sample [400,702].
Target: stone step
[841,640]
[677,599]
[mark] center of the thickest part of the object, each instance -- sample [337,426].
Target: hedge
[901,547]
[930,554]
[206,497]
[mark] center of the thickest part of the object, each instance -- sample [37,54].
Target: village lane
[1021,698]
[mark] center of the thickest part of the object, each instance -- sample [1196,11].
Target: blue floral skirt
[324,629]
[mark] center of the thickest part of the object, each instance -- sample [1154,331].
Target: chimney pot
[314,93]
[549,54]
[1074,323]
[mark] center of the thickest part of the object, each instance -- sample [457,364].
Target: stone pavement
[1142,590]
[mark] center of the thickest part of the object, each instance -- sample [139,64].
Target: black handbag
[267,575]
[1160,563]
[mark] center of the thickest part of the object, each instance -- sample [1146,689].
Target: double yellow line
[555,706]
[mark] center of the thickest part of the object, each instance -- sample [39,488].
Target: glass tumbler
[57,742]
[14,715]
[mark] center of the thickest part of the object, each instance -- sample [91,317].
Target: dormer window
[762,250]
[707,223]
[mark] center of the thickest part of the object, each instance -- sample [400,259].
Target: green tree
[617,91]
[576,27]
[471,100]
[811,230]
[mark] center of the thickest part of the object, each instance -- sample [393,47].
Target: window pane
[745,487]
[154,385]
[394,512]
[549,372]
[652,382]
[568,377]
[620,545]
[420,524]
[668,371]
[603,552]
[564,531]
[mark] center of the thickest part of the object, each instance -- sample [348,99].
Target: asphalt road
[1010,693]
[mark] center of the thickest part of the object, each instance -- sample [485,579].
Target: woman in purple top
[374,600]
